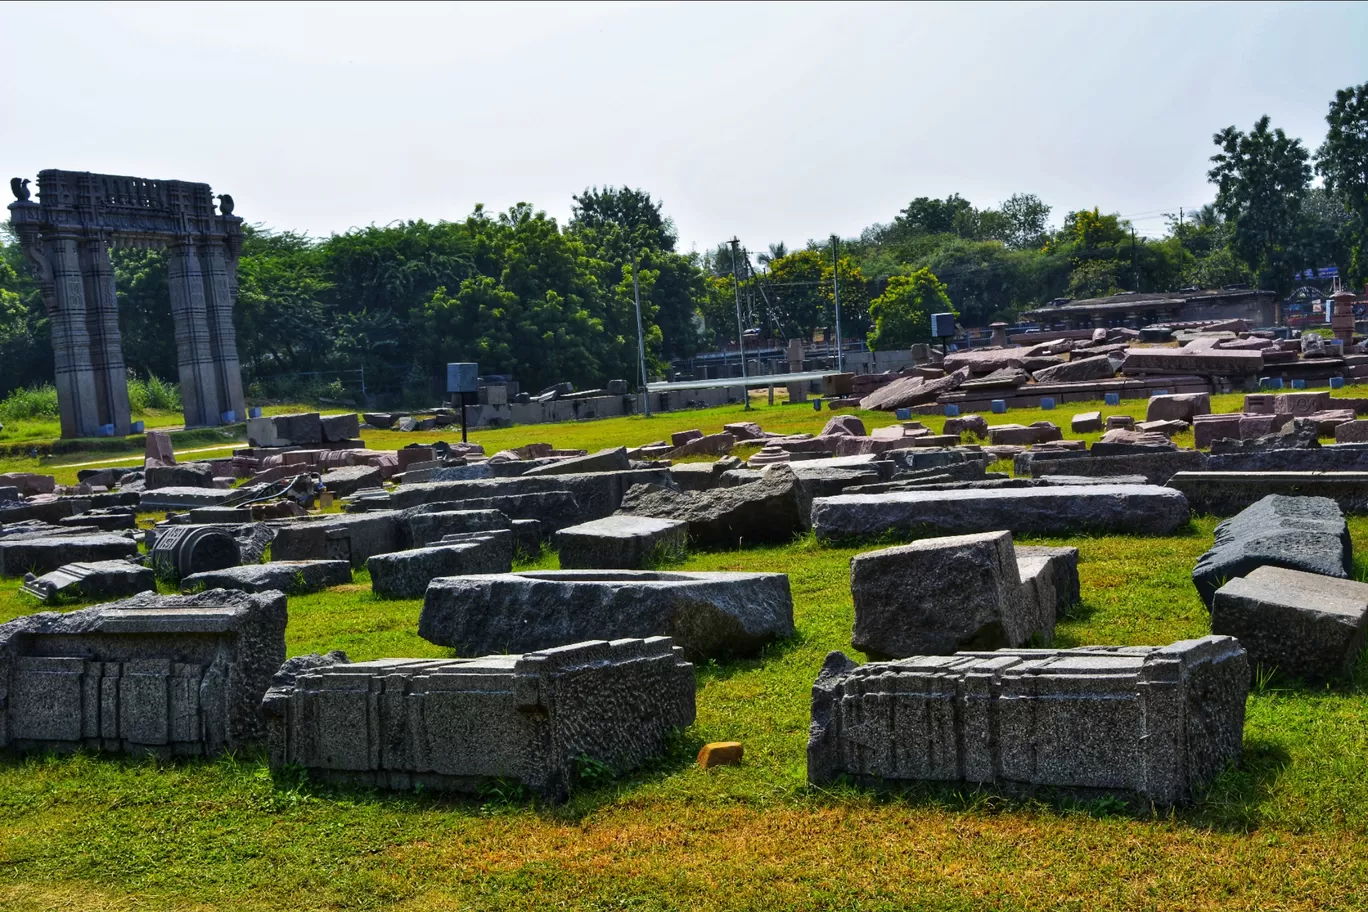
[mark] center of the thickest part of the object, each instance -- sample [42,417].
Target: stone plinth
[1157,722]
[460,724]
[167,675]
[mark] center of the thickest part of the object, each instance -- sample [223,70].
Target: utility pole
[836,293]
[740,331]
[1135,263]
[641,339]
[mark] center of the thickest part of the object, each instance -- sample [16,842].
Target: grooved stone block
[707,614]
[1298,533]
[429,524]
[1053,510]
[43,555]
[457,724]
[179,675]
[100,579]
[355,537]
[1303,625]
[620,542]
[1158,722]
[938,595]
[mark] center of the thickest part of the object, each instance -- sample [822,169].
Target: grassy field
[1287,829]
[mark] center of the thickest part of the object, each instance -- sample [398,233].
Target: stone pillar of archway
[198,378]
[218,302]
[74,376]
[102,326]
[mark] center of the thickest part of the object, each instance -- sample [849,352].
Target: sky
[771,122]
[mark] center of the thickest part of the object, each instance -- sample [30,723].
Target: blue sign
[1322,272]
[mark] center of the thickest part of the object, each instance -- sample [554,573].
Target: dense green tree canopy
[902,314]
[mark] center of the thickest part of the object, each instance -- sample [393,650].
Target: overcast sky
[779,121]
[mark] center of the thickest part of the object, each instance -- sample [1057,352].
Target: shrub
[39,401]
[153,393]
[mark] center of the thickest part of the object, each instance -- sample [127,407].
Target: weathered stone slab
[1302,625]
[910,391]
[1333,458]
[1158,722]
[532,719]
[98,579]
[938,595]
[339,428]
[350,479]
[1300,404]
[1227,493]
[182,498]
[620,542]
[406,574]
[43,555]
[1178,407]
[1352,432]
[1298,533]
[771,509]
[353,538]
[1049,510]
[29,483]
[1086,422]
[1077,370]
[421,526]
[182,475]
[1215,362]
[1157,467]
[609,460]
[1049,571]
[709,615]
[290,577]
[172,676]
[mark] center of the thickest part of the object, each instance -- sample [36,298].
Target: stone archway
[67,236]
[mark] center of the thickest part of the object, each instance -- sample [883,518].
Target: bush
[153,393]
[30,403]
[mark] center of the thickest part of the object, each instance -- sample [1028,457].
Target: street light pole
[641,339]
[740,331]
[836,293]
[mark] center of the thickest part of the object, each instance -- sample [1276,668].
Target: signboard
[1321,272]
[463,377]
[942,325]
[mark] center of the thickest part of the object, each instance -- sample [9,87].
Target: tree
[623,213]
[776,251]
[1343,161]
[1262,178]
[902,314]
[1027,221]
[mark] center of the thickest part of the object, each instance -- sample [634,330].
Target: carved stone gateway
[67,237]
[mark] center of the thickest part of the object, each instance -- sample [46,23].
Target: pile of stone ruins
[1126,363]
[593,662]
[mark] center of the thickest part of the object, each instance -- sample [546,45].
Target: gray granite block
[290,577]
[620,542]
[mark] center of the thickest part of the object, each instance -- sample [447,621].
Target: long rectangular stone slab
[1048,510]
[1211,362]
[1157,468]
[1227,493]
[1159,722]
[43,555]
[458,724]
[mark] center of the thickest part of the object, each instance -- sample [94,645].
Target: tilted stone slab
[179,675]
[98,579]
[1301,625]
[939,595]
[182,498]
[20,555]
[290,577]
[610,460]
[1298,533]
[1227,493]
[460,724]
[1157,722]
[406,574]
[1049,580]
[707,614]
[773,508]
[1045,510]
[620,542]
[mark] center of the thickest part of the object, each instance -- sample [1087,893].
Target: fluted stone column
[198,379]
[106,344]
[75,377]
[218,300]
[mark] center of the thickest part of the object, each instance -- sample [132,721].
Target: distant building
[1135,310]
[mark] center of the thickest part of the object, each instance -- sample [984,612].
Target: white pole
[836,292]
[641,339]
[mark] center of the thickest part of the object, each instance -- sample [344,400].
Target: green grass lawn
[1286,829]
